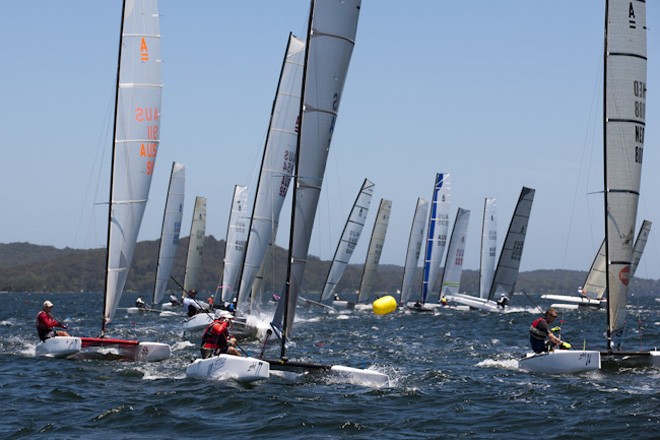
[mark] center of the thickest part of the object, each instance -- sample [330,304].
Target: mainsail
[331,36]
[135,141]
[436,237]
[488,247]
[508,265]
[169,236]
[195,245]
[451,275]
[624,116]
[375,250]
[349,238]
[237,229]
[276,167]
[414,249]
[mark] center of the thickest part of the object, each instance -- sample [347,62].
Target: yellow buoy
[384,305]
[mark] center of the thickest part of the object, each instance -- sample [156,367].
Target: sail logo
[632,21]
[624,275]
[144,51]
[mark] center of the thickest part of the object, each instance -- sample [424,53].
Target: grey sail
[170,230]
[414,249]
[624,123]
[349,238]
[237,228]
[195,245]
[488,247]
[375,250]
[508,265]
[451,275]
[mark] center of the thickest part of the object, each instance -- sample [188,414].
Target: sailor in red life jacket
[216,339]
[540,329]
[46,323]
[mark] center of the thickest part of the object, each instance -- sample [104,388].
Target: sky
[499,97]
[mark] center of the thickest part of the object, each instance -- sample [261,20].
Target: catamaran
[623,141]
[347,242]
[508,265]
[436,240]
[134,146]
[592,294]
[331,35]
[414,249]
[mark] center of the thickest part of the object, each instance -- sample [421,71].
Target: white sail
[508,265]
[414,249]
[451,276]
[331,36]
[169,236]
[237,229]
[135,143]
[624,118]
[276,167]
[349,238]
[436,237]
[375,250]
[488,247]
[195,245]
[594,286]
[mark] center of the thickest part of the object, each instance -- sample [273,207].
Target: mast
[112,174]
[287,287]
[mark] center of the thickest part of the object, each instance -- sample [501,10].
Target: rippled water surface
[454,375]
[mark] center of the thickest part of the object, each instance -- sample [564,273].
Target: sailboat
[169,238]
[135,144]
[331,35]
[194,267]
[488,247]
[436,240]
[347,242]
[374,252]
[414,249]
[592,295]
[623,142]
[450,280]
[508,265]
[275,173]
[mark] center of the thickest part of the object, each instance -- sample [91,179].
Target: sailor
[443,301]
[337,297]
[540,329]
[46,323]
[216,339]
[190,304]
[502,302]
[139,303]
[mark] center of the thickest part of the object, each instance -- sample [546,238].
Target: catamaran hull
[224,366]
[561,362]
[58,347]
[476,303]
[361,377]
[338,373]
[197,322]
[121,349]
[578,300]
[631,359]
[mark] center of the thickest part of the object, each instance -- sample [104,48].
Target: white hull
[561,362]
[476,303]
[197,322]
[574,299]
[58,347]
[224,366]
[127,350]
[358,376]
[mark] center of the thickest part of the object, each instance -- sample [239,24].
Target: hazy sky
[499,94]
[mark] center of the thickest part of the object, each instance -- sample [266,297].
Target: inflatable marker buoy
[384,305]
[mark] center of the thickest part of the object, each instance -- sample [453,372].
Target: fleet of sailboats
[302,123]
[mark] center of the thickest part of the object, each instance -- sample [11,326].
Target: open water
[454,375]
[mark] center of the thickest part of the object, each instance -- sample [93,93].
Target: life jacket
[535,332]
[45,324]
[215,336]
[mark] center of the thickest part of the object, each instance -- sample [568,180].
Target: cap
[48,304]
[223,314]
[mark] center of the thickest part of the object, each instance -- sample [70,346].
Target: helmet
[223,314]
